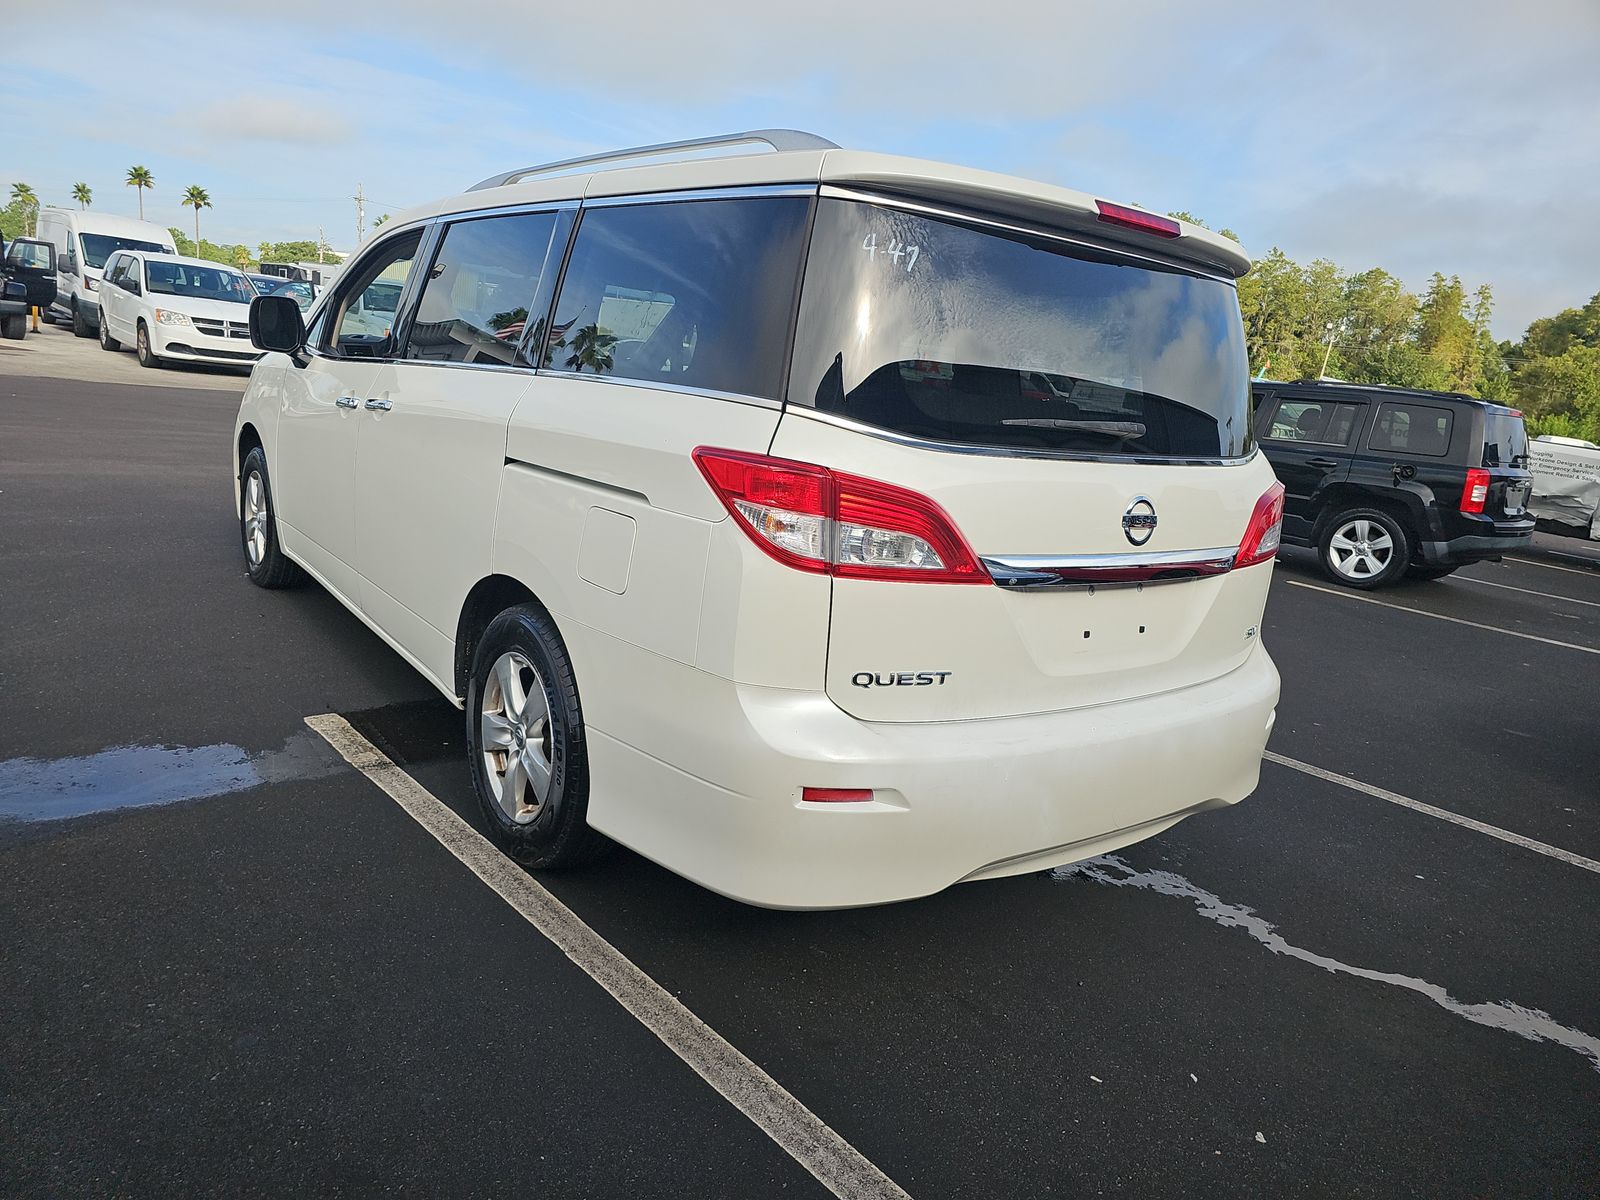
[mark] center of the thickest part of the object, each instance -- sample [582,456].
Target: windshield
[201,283]
[97,247]
[949,332]
[1505,440]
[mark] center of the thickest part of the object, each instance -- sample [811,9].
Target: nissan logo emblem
[1139,521]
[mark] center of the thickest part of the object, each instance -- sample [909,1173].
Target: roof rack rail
[779,139]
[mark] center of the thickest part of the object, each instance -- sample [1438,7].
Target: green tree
[83,194]
[24,198]
[241,257]
[380,220]
[592,347]
[140,177]
[196,197]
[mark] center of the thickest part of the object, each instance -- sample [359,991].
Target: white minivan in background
[84,239]
[827,526]
[173,309]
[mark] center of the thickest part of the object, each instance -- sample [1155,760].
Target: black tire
[557,835]
[107,342]
[14,328]
[80,324]
[271,568]
[47,315]
[141,347]
[1421,571]
[1330,555]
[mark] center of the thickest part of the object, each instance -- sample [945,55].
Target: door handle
[380,405]
[1327,464]
[346,401]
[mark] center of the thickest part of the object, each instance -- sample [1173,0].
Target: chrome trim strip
[755,191]
[523,464]
[1137,558]
[1030,572]
[833,191]
[904,439]
[509,210]
[651,385]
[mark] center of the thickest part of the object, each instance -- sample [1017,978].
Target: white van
[84,239]
[723,495]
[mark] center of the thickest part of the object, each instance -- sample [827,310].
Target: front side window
[955,333]
[1321,421]
[369,298]
[198,283]
[696,293]
[1411,429]
[32,255]
[475,300]
[97,247]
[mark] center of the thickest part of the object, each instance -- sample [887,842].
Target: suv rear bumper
[1506,537]
[952,800]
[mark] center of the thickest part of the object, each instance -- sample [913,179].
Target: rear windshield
[953,333]
[1505,440]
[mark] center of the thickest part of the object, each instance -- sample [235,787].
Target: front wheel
[264,559]
[14,328]
[47,315]
[525,739]
[141,346]
[1364,548]
[80,323]
[107,342]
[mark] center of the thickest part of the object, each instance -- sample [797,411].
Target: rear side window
[1505,440]
[696,294]
[1412,429]
[474,305]
[955,333]
[1324,422]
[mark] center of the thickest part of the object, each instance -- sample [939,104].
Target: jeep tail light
[1262,535]
[831,523]
[1137,218]
[1476,493]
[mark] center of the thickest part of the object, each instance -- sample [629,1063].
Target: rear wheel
[48,315]
[107,342]
[141,347]
[14,328]
[1364,548]
[525,739]
[80,324]
[1418,571]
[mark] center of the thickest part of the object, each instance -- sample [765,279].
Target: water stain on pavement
[1525,1022]
[57,789]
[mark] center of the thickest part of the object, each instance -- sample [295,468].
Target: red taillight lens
[813,519]
[835,795]
[1265,531]
[1476,493]
[1137,218]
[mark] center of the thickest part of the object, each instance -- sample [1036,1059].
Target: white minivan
[84,240]
[827,526]
[172,309]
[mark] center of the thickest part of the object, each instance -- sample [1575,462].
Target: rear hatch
[1079,417]
[1505,457]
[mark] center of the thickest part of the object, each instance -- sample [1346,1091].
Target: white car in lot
[722,495]
[171,309]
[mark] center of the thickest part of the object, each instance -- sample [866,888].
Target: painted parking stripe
[1494,831]
[836,1164]
[1422,612]
[1534,562]
[1527,591]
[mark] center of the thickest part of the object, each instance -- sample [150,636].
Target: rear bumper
[952,800]
[1507,538]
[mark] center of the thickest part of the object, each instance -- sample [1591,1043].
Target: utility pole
[1328,353]
[322,243]
[361,214]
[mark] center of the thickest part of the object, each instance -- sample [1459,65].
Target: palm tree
[22,194]
[196,197]
[592,347]
[241,257]
[380,220]
[83,194]
[140,177]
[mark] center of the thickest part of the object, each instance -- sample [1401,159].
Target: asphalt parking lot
[234,966]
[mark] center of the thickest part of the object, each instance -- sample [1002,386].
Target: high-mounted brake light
[1476,492]
[1265,531]
[1137,218]
[828,522]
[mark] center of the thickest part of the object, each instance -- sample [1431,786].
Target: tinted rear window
[955,333]
[1505,440]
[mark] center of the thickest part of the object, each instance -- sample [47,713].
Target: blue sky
[1462,137]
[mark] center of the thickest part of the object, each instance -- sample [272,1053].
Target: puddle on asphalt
[1528,1023]
[56,789]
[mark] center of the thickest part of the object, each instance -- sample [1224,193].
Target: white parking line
[1534,562]
[1422,612]
[835,1163]
[1494,831]
[1527,591]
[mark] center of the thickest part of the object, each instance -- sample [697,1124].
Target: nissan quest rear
[830,527]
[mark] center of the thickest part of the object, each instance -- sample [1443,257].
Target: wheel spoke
[495,730]
[512,784]
[1382,541]
[512,698]
[255,493]
[1339,542]
[538,770]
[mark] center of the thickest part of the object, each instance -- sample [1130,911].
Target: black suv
[1388,482]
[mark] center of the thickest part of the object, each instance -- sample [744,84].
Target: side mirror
[67,263]
[132,285]
[276,324]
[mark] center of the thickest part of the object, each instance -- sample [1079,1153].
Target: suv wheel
[525,740]
[80,326]
[1364,548]
[14,327]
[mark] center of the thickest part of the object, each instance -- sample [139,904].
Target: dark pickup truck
[27,280]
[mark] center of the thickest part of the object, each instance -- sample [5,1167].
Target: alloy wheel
[255,518]
[515,737]
[1360,549]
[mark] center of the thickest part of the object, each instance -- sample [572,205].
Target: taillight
[1265,531]
[1137,218]
[835,795]
[1476,492]
[813,519]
